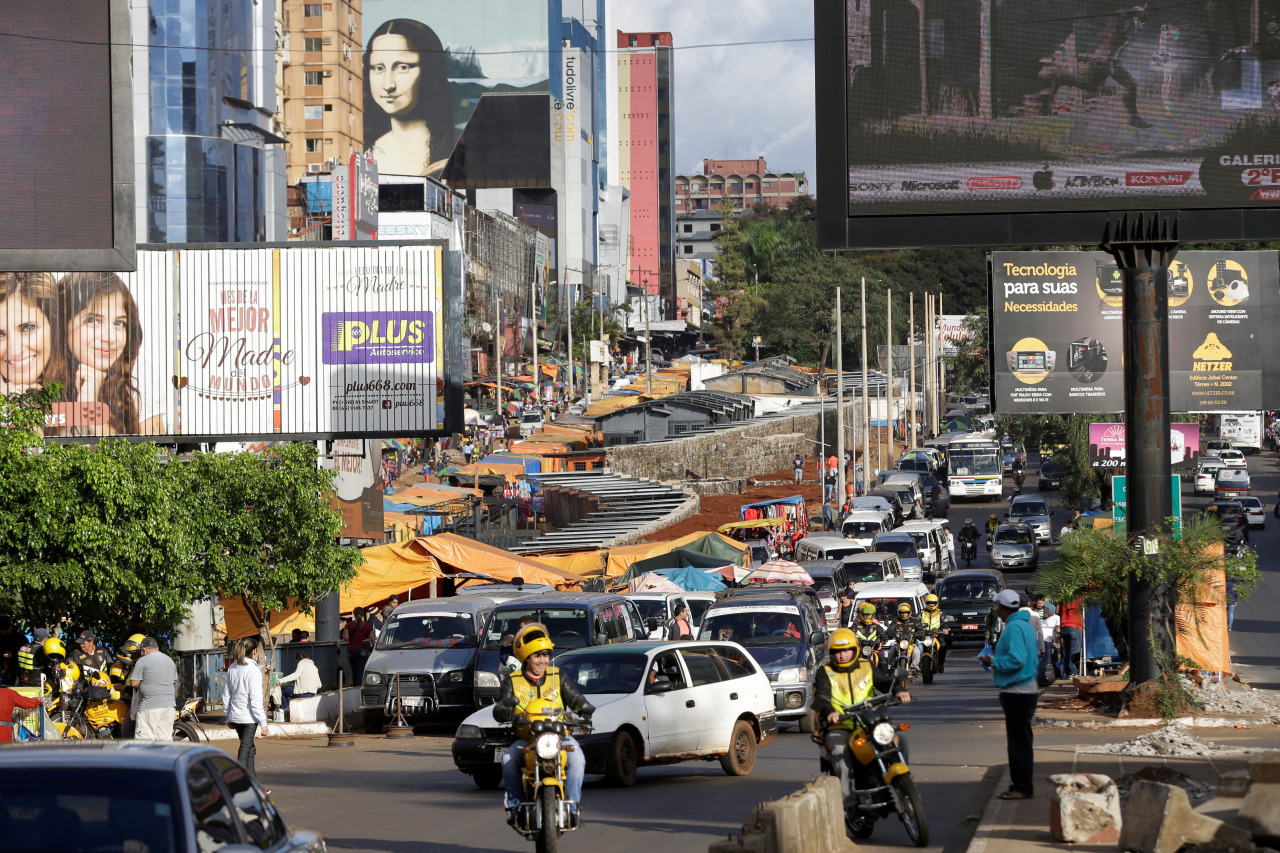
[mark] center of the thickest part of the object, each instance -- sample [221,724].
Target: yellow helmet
[904,609]
[842,639]
[54,648]
[931,602]
[867,612]
[532,638]
[130,648]
[70,672]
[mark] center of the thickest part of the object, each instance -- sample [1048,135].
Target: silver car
[1014,547]
[1033,511]
[131,795]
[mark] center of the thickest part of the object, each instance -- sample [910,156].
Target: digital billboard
[234,343]
[428,62]
[971,122]
[1107,446]
[1057,330]
[66,136]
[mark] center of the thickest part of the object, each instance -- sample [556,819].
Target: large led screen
[262,343]
[972,108]
[66,132]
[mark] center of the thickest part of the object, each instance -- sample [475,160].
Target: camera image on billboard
[1061,105]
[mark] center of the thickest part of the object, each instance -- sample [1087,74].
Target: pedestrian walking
[155,682]
[1233,598]
[1014,673]
[829,492]
[242,699]
[358,633]
[799,466]
[860,480]
[1071,631]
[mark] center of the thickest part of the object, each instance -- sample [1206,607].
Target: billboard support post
[866,396]
[840,466]
[1143,246]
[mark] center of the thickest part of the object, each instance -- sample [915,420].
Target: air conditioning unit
[328,41]
[315,167]
[328,73]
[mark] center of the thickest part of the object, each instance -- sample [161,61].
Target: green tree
[970,363]
[267,527]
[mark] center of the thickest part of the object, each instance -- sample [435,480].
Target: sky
[732,100]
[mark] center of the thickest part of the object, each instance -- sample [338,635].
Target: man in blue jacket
[1014,671]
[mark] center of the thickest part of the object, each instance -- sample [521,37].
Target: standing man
[1233,598]
[1014,664]
[798,464]
[357,632]
[155,681]
[88,655]
[1071,630]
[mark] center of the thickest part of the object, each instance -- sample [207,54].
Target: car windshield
[824,586]
[604,673]
[886,608]
[654,607]
[1013,537]
[427,630]
[567,626]
[972,463]
[1250,503]
[901,547]
[872,503]
[113,808]
[761,628]
[862,528]
[531,417]
[698,606]
[974,590]
[1022,509]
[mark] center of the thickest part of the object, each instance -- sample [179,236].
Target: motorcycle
[930,654]
[901,652]
[544,814]
[186,725]
[969,551]
[1019,478]
[882,781]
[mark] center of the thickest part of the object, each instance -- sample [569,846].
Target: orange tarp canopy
[586,563]
[620,559]
[458,554]
[238,625]
[512,471]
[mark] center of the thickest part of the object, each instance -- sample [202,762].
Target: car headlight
[486,679]
[547,746]
[882,733]
[469,732]
[792,674]
[373,678]
[452,677]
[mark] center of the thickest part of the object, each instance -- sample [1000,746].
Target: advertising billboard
[234,343]
[428,62]
[1106,446]
[67,101]
[1057,330]
[947,111]
[952,332]
[359,490]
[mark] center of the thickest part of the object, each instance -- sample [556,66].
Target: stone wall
[750,450]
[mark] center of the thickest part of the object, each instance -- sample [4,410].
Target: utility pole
[889,387]
[839,400]
[648,342]
[533,323]
[911,375]
[866,395]
[497,346]
[929,349]
[942,372]
[568,287]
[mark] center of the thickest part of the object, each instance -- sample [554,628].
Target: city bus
[973,467]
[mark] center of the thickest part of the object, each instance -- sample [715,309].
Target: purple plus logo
[379,337]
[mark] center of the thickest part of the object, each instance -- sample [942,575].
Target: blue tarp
[531,466]
[796,499]
[692,580]
[1098,642]
[430,523]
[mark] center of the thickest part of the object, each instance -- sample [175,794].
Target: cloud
[752,95]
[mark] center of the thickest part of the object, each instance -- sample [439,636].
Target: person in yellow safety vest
[537,679]
[931,619]
[847,679]
[870,634]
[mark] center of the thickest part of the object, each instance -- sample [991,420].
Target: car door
[708,700]
[673,730]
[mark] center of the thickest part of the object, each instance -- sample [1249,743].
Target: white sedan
[1254,511]
[656,703]
[1207,477]
[1233,459]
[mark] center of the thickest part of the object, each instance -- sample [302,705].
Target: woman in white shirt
[242,699]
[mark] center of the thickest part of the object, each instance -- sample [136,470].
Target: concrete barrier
[1158,819]
[808,821]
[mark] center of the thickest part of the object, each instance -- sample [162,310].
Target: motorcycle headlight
[883,733]
[486,679]
[904,645]
[470,732]
[547,746]
[792,674]
[373,678]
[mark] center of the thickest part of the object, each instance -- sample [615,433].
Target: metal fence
[203,672]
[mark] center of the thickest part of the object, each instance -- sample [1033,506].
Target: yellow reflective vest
[850,688]
[931,620]
[526,691]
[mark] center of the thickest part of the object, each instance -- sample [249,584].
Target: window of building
[688,228]
[313,78]
[579,466]
[315,145]
[715,226]
[312,45]
[688,249]
[312,10]
[633,41]
[313,112]
[768,184]
[653,40]
[751,185]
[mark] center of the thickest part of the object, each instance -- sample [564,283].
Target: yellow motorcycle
[544,814]
[87,705]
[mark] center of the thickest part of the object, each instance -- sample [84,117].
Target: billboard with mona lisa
[427,62]
[205,343]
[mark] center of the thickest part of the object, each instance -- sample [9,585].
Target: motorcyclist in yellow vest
[847,679]
[931,621]
[537,679]
[870,633]
[905,628]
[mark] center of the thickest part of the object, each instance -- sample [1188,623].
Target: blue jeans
[1071,648]
[513,772]
[1231,616]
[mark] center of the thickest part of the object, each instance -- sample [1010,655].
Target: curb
[991,815]
[1151,722]
[217,731]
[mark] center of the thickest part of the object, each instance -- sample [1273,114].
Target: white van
[830,546]
[862,526]
[931,537]
[887,595]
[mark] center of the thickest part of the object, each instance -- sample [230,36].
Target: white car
[656,703]
[530,422]
[1254,511]
[662,607]
[1233,459]
[1207,475]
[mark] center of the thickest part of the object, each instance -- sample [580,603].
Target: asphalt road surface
[401,796]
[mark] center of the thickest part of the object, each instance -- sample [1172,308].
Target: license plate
[498,752]
[412,701]
[969,627]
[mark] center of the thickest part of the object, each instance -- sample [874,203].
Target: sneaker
[511,817]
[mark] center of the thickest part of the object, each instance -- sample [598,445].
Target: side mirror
[661,684]
[900,674]
[817,638]
[652,623]
[1050,512]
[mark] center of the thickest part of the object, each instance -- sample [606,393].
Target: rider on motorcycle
[931,621]
[905,628]
[969,535]
[868,630]
[844,681]
[537,679]
[90,657]
[992,523]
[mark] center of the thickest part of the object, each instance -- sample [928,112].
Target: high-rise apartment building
[646,135]
[209,166]
[323,85]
